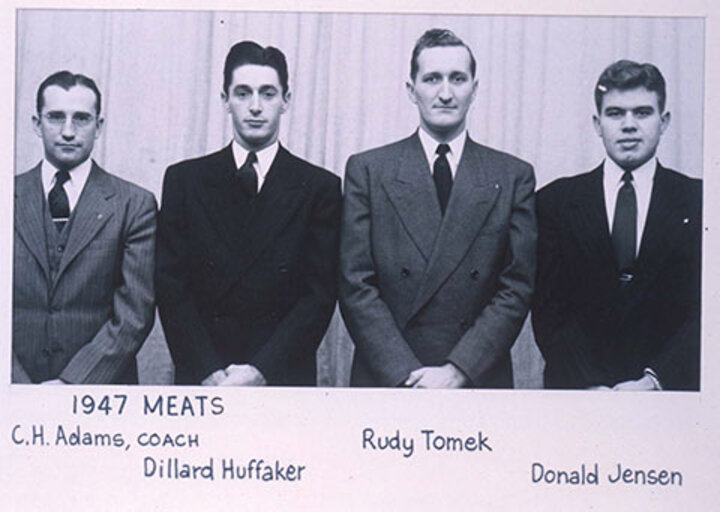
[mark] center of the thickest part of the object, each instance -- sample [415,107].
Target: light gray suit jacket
[421,289]
[86,324]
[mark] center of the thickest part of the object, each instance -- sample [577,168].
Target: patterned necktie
[58,200]
[248,176]
[625,224]
[442,176]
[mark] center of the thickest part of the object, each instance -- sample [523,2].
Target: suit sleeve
[191,348]
[498,325]
[558,334]
[300,331]
[118,340]
[373,329]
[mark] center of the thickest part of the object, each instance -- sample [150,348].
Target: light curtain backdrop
[160,74]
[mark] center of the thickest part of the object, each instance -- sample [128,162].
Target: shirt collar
[78,174]
[265,157]
[641,175]
[430,145]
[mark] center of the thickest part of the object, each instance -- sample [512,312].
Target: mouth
[445,108]
[629,143]
[255,123]
[68,147]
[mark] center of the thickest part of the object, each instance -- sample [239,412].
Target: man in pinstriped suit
[84,242]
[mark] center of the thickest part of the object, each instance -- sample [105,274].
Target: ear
[596,124]
[410,88]
[37,125]
[474,91]
[224,98]
[286,102]
[664,121]
[100,124]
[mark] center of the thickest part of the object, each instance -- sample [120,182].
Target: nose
[445,93]
[628,122]
[255,105]
[68,129]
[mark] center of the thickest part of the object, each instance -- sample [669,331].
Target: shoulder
[497,158]
[307,171]
[123,188]
[196,165]
[388,151]
[679,180]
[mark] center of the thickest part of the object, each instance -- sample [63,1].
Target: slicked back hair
[249,52]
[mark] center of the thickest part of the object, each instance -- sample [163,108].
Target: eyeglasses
[78,119]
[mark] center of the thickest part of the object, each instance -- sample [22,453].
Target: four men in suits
[617,302]
[84,243]
[438,237]
[248,243]
[437,249]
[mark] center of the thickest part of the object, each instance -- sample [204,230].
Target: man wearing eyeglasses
[83,299]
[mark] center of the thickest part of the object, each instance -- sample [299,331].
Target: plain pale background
[160,74]
[322,427]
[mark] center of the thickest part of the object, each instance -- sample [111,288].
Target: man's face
[630,124]
[255,103]
[443,90]
[68,125]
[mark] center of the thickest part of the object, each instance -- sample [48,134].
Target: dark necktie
[442,176]
[248,176]
[625,225]
[58,200]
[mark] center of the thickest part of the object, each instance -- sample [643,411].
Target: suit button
[210,264]
[405,272]
[283,269]
[475,273]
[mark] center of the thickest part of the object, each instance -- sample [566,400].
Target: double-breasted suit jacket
[247,280]
[421,289]
[84,317]
[594,329]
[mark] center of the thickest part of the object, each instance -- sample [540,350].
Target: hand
[644,383]
[599,388]
[215,378]
[243,375]
[53,382]
[445,376]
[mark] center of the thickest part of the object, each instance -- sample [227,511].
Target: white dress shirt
[453,156]
[265,159]
[642,183]
[73,187]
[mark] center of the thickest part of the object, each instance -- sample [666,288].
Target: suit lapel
[29,222]
[219,195]
[662,223]
[587,218]
[282,193]
[473,196]
[93,210]
[412,192]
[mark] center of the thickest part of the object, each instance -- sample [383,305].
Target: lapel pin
[686,220]
[100,216]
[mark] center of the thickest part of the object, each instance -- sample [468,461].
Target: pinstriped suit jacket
[86,324]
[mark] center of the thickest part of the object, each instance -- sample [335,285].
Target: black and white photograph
[273,220]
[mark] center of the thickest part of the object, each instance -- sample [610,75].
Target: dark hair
[437,37]
[249,52]
[627,74]
[66,80]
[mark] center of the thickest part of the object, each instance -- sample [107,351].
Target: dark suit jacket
[247,283]
[421,289]
[593,330]
[87,324]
